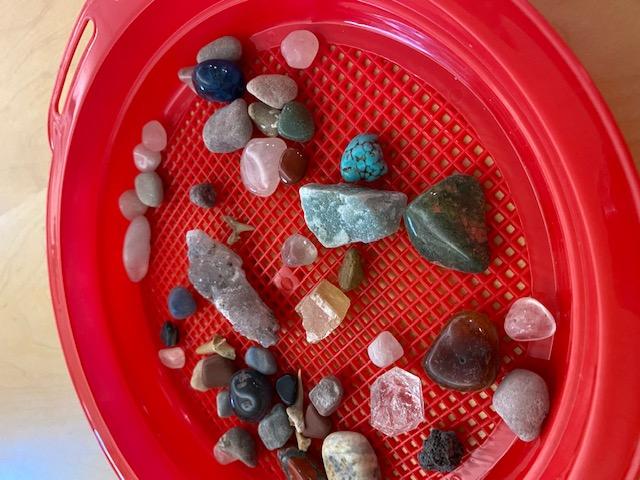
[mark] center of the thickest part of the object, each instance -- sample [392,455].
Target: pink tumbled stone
[397,404]
[144,159]
[299,48]
[154,136]
[385,350]
[130,205]
[172,357]
[260,163]
[298,250]
[136,249]
[529,320]
[285,280]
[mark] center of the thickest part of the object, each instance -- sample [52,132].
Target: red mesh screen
[424,140]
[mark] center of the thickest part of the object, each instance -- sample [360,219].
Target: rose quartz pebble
[260,163]
[299,48]
[298,250]
[285,280]
[136,248]
[385,350]
[172,357]
[529,320]
[130,205]
[144,159]
[154,136]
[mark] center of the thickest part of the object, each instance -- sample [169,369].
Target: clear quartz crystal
[528,320]
[298,250]
[397,405]
[322,310]
[385,350]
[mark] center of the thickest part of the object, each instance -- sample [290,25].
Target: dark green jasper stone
[465,355]
[296,122]
[297,465]
[446,224]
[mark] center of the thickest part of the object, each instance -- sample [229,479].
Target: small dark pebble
[203,195]
[181,303]
[442,451]
[217,371]
[287,388]
[250,393]
[169,334]
[218,80]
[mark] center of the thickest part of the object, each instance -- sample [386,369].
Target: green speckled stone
[296,122]
[446,224]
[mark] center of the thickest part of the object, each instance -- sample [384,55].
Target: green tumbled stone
[446,224]
[296,123]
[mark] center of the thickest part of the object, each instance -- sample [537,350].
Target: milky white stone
[298,250]
[144,159]
[299,48]
[385,350]
[130,205]
[154,136]
[137,248]
[529,320]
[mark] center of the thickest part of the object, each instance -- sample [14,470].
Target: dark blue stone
[169,334]
[218,80]
[287,388]
[251,395]
[181,303]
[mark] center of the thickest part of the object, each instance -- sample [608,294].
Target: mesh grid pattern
[424,139]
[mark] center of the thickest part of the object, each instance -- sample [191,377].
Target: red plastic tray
[450,86]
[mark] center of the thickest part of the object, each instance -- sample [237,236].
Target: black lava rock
[251,395]
[169,334]
[287,388]
[442,451]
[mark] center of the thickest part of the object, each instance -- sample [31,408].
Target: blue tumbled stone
[362,159]
[181,303]
[218,80]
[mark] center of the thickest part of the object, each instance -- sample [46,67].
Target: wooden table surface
[43,432]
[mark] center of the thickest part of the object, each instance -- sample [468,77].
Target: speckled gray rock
[223,404]
[223,48]
[349,456]
[265,118]
[228,129]
[261,359]
[522,400]
[342,214]
[327,395]
[274,429]
[216,273]
[149,188]
[203,195]
[273,89]
[236,444]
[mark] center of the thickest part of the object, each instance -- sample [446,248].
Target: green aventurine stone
[296,122]
[446,224]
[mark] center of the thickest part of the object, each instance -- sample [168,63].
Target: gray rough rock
[274,429]
[229,128]
[149,188]
[273,89]
[327,395]
[522,400]
[223,48]
[236,444]
[216,273]
[342,214]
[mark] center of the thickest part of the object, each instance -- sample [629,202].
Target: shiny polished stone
[250,393]
[528,320]
[260,164]
[293,166]
[465,355]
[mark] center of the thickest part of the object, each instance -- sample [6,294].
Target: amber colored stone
[297,465]
[293,166]
[464,357]
[322,310]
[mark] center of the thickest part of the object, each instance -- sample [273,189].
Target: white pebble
[137,248]
[154,136]
[149,188]
[144,159]
[130,205]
